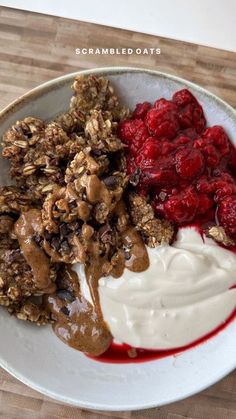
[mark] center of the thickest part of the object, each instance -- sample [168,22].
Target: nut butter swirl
[29,224]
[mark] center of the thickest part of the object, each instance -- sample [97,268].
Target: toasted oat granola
[96,93]
[38,162]
[17,285]
[73,169]
[14,200]
[154,230]
[100,131]
[218,233]
[85,202]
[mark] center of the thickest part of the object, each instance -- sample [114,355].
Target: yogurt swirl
[186,292]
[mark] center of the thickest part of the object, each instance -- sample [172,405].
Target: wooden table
[35,48]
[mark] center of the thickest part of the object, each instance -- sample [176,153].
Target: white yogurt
[183,295]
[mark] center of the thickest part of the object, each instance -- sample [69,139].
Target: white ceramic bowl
[39,359]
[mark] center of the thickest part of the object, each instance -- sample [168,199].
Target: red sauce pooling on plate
[124,353]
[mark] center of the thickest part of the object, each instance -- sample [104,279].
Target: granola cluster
[18,292]
[72,173]
[153,230]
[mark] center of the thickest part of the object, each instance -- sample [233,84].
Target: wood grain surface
[35,48]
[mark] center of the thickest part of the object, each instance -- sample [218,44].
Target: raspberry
[205,203]
[141,110]
[162,123]
[144,163]
[167,105]
[189,163]
[223,189]
[183,97]
[190,111]
[203,185]
[131,165]
[217,136]
[219,174]
[134,133]
[160,174]
[161,177]
[182,139]
[182,208]
[211,155]
[167,147]
[226,214]
[232,160]
[186,175]
[190,133]
[151,149]
[214,144]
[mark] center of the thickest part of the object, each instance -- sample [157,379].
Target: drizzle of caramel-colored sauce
[137,259]
[28,224]
[77,322]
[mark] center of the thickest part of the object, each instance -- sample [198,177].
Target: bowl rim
[39,91]
[53,84]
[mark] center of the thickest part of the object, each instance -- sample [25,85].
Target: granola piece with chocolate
[101,193]
[16,276]
[17,287]
[88,199]
[41,163]
[17,280]
[15,272]
[93,92]
[154,230]
[65,216]
[19,139]
[102,198]
[83,162]
[219,234]
[70,217]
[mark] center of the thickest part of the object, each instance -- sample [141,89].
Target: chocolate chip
[111,181]
[55,243]
[105,233]
[63,229]
[55,162]
[97,152]
[135,177]
[72,204]
[37,238]
[65,295]
[127,254]
[47,236]
[65,310]
[74,226]
[12,255]
[65,247]
[18,129]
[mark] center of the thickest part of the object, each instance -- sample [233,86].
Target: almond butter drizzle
[26,226]
[77,322]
